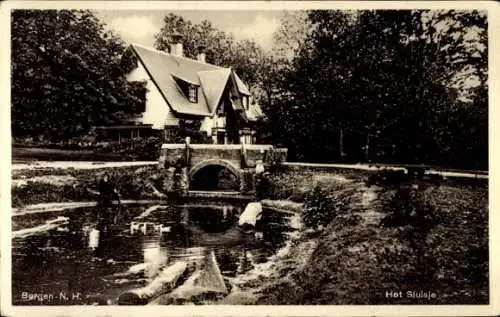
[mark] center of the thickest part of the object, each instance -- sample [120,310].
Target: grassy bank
[66,185]
[357,261]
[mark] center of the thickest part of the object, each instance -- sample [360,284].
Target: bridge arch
[210,163]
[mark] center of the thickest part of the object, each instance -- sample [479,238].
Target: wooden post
[187,154]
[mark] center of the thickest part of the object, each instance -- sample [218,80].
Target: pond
[51,253]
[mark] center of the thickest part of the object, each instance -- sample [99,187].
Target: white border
[342,310]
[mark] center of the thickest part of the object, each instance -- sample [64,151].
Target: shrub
[409,205]
[274,159]
[414,208]
[179,136]
[148,149]
[319,209]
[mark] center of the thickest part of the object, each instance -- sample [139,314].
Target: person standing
[108,197]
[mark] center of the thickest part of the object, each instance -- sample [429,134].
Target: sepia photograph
[251,154]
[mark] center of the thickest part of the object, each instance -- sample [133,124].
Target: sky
[140,26]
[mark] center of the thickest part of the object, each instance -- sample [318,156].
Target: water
[57,257]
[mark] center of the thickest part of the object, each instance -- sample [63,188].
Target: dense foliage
[66,75]
[385,86]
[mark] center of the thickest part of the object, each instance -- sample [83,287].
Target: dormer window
[189,89]
[193,94]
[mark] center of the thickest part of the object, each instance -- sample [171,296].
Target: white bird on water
[138,226]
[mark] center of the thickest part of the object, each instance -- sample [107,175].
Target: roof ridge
[175,56]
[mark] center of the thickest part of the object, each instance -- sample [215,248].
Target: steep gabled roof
[211,80]
[161,67]
[241,86]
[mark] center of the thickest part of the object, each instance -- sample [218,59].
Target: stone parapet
[241,159]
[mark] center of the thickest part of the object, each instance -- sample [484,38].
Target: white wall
[157,109]
[208,123]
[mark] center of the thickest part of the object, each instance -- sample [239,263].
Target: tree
[384,85]
[309,101]
[294,29]
[66,75]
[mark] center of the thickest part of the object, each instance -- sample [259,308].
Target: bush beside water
[322,205]
[319,209]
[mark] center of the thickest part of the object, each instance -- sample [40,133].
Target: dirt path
[365,206]
[368,167]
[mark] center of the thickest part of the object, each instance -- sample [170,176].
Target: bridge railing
[265,147]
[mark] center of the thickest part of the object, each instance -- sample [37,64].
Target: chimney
[176,46]
[201,54]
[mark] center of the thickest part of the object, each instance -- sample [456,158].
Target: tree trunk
[341,144]
[205,283]
[367,147]
[165,282]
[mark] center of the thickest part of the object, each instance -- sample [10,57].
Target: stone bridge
[239,159]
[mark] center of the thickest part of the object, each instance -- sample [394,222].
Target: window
[245,102]
[220,111]
[193,93]
[189,90]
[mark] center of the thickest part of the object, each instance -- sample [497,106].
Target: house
[193,94]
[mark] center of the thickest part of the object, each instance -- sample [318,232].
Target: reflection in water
[245,262]
[93,239]
[60,259]
[155,255]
